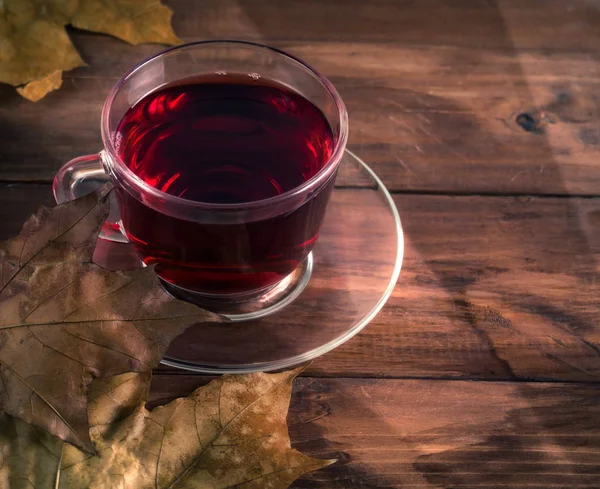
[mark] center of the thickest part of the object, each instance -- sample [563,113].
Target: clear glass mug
[246,258]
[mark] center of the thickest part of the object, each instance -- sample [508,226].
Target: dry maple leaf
[32,47]
[65,320]
[38,89]
[133,21]
[30,457]
[34,44]
[230,433]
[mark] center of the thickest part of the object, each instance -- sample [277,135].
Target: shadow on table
[389,439]
[536,322]
[547,444]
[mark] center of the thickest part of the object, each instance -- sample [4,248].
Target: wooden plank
[436,119]
[500,288]
[435,113]
[530,24]
[427,118]
[514,278]
[438,434]
[491,288]
[18,202]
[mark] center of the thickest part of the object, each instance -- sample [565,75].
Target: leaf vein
[92,321]
[96,299]
[48,243]
[64,421]
[59,352]
[49,299]
[223,428]
[87,340]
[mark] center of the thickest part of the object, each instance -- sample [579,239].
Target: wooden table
[483,118]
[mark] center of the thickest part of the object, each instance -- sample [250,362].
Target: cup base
[254,304]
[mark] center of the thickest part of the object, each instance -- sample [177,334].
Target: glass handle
[79,177]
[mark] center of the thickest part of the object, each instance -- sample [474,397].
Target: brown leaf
[65,320]
[230,433]
[34,44]
[36,90]
[32,458]
[29,456]
[115,398]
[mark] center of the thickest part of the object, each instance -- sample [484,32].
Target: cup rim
[320,177]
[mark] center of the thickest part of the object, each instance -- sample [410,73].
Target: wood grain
[438,434]
[434,98]
[486,24]
[483,116]
[491,288]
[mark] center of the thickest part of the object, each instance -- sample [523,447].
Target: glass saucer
[356,263]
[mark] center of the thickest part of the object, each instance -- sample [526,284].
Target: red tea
[224,140]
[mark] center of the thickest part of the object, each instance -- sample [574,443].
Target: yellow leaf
[230,433]
[34,44]
[134,21]
[34,49]
[37,89]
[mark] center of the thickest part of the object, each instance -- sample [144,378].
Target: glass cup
[248,258]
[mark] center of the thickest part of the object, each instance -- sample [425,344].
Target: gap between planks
[440,193]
